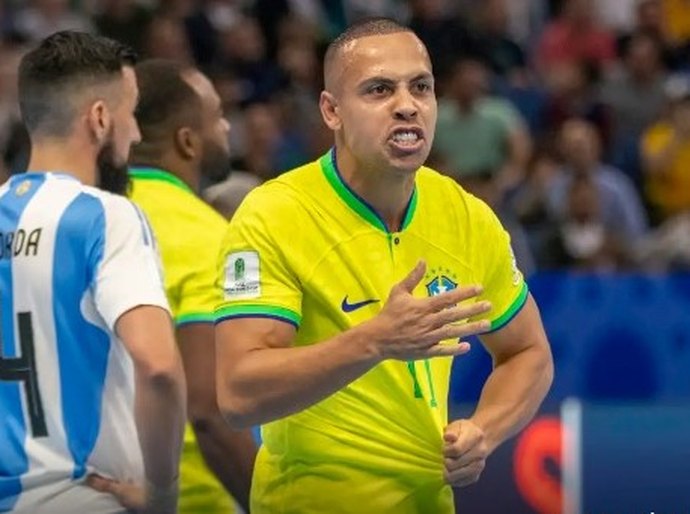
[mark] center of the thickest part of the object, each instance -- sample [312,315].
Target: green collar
[356,202]
[146,173]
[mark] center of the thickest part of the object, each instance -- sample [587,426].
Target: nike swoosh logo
[349,307]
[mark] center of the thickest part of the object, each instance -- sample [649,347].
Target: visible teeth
[405,137]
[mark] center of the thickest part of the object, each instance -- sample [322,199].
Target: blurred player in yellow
[347,284]
[185,135]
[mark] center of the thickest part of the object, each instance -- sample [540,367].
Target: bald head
[333,66]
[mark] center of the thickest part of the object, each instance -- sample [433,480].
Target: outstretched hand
[414,328]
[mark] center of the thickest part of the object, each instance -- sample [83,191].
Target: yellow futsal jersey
[305,249]
[188,232]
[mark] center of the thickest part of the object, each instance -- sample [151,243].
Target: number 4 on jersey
[23,369]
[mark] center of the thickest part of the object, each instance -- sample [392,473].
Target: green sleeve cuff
[512,311]
[258,311]
[194,317]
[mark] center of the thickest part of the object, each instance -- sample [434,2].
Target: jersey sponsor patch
[242,276]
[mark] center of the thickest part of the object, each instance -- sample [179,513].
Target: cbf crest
[440,280]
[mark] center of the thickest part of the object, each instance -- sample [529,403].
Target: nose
[405,108]
[136,134]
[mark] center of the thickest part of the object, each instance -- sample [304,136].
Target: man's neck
[387,191]
[172,166]
[66,156]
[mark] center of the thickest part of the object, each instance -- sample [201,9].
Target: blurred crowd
[571,118]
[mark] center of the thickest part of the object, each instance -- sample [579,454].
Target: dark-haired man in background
[90,377]
[184,137]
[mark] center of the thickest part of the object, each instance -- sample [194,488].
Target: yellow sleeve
[504,284]
[255,278]
[197,292]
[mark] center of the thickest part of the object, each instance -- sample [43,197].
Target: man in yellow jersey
[185,135]
[347,284]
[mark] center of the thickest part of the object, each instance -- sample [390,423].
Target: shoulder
[445,189]
[116,207]
[118,217]
[179,211]
[85,205]
[614,177]
[286,195]
[444,198]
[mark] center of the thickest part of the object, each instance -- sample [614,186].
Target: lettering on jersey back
[20,243]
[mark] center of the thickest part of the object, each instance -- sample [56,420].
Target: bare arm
[147,334]
[228,453]
[261,377]
[522,375]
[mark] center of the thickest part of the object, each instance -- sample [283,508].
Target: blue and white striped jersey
[73,259]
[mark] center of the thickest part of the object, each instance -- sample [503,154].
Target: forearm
[229,454]
[270,383]
[160,414]
[512,394]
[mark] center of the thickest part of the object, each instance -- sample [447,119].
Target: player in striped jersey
[90,379]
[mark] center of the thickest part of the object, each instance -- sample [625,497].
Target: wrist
[369,341]
[162,499]
[490,439]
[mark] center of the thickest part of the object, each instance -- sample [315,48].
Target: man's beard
[215,163]
[112,177]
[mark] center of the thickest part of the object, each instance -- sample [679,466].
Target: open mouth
[407,138]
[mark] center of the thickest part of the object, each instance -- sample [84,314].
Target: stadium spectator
[575,36]
[477,132]
[634,96]
[619,208]
[666,154]
[582,240]
[226,196]
[40,18]
[126,21]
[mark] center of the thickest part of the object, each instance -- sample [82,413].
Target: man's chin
[408,163]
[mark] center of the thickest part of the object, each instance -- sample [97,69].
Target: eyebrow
[390,82]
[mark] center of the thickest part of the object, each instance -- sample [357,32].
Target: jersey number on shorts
[23,369]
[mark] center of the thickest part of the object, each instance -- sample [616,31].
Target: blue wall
[614,337]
